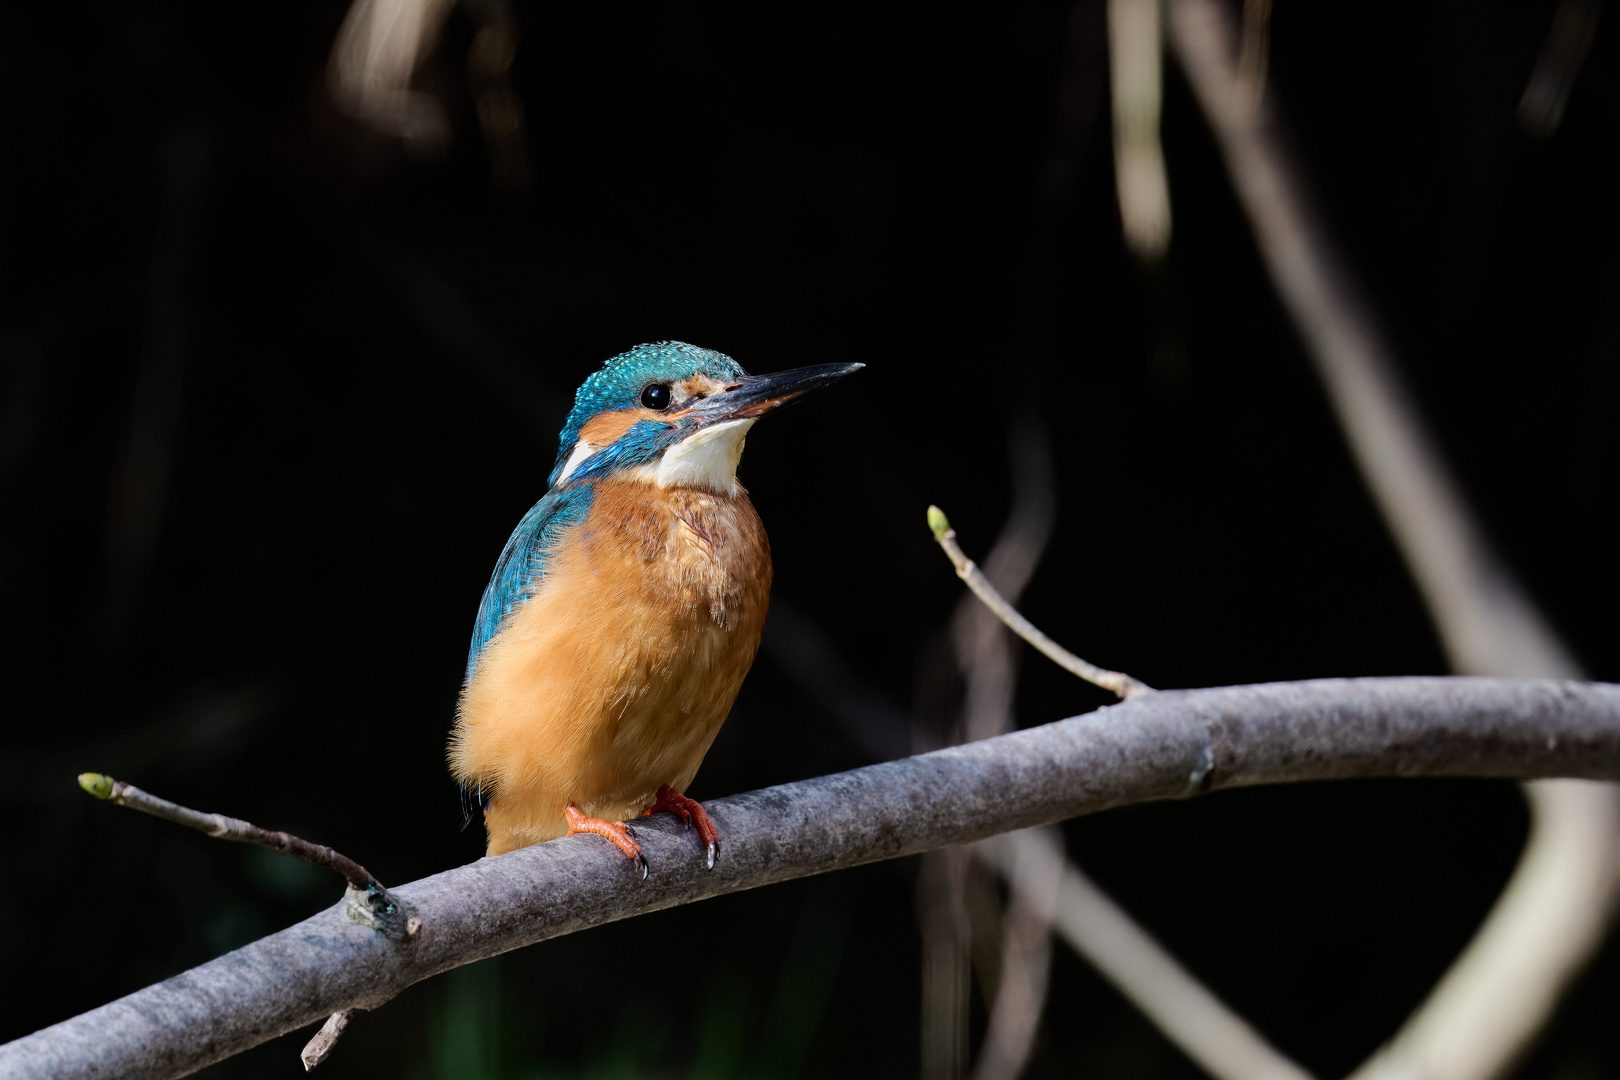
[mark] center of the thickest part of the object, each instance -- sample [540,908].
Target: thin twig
[1116,681]
[1165,745]
[984,650]
[221,827]
[317,1049]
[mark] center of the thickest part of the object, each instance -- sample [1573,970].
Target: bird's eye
[655,396]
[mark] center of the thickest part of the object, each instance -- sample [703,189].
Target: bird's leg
[689,811]
[616,831]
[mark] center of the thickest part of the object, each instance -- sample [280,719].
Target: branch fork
[366,900]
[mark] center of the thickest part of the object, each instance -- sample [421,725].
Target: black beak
[756,395]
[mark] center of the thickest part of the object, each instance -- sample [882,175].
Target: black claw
[629,829]
[714,849]
[642,859]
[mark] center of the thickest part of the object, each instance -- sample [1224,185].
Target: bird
[625,609]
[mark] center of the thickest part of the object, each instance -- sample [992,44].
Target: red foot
[616,831]
[689,811]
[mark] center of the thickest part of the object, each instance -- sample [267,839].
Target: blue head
[674,415]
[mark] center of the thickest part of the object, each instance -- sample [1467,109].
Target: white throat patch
[706,461]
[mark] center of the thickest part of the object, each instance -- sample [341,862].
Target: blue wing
[523,562]
[520,568]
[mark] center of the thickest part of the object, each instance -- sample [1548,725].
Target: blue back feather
[523,561]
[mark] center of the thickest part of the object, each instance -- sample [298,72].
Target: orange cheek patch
[605,429]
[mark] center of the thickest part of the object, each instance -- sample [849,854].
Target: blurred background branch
[374,65]
[1135,58]
[1554,912]
[1198,1022]
[373,60]
[1562,55]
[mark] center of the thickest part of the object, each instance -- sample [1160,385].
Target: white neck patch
[582,452]
[706,460]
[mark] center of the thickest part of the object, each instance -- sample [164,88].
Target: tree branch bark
[1166,745]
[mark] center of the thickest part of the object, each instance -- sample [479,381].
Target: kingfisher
[626,607]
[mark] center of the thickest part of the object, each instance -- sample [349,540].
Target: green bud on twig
[938,522]
[96,784]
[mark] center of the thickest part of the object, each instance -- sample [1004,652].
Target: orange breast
[616,675]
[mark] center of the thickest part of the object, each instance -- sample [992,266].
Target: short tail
[472,802]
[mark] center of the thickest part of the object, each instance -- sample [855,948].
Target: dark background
[273,392]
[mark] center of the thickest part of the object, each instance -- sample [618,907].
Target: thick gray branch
[1165,745]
